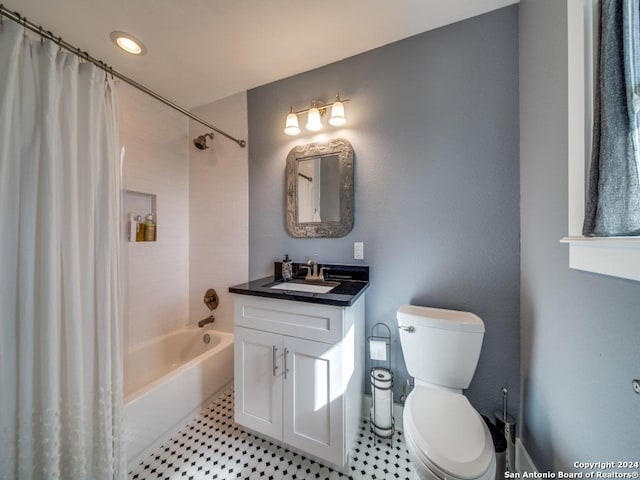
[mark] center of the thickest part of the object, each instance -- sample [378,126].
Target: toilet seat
[447,434]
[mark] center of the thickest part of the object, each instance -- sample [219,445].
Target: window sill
[615,256]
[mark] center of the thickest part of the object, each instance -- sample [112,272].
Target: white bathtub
[169,378]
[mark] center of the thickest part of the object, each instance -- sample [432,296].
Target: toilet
[446,437]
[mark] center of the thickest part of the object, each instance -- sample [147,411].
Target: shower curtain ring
[41,35]
[23,21]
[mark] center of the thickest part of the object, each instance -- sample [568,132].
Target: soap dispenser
[139,228]
[287,268]
[132,226]
[149,229]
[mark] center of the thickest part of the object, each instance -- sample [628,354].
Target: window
[616,256]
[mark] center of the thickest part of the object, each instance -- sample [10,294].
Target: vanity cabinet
[299,374]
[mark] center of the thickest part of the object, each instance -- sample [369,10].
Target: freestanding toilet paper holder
[381,378]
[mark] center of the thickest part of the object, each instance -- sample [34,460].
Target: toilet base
[420,471]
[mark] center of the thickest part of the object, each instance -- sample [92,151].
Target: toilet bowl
[445,435]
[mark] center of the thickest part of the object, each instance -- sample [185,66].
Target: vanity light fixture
[291,127]
[314,115]
[337,113]
[128,43]
[313,119]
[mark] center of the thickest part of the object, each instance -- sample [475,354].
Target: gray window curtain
[613,203]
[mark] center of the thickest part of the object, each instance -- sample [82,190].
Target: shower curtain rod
[16,17]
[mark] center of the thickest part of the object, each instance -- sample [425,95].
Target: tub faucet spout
[206,321]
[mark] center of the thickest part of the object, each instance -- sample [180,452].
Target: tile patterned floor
[212,446]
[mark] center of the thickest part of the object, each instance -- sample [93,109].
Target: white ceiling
[201,50]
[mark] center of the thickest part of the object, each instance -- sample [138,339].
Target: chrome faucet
[312,271]
[206,321]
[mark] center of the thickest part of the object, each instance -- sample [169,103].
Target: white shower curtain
[60,361]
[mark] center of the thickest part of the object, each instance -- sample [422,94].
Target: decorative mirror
[320,189]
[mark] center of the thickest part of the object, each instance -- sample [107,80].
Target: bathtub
[168,379]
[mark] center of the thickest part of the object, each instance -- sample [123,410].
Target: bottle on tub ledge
[149,228]
[139,229]
[131,227]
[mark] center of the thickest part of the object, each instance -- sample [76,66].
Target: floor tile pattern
[212,446]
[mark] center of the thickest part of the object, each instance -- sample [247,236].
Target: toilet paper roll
[382,393]
[382,409]
[377,350]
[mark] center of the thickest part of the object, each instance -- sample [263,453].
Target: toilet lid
[448,432]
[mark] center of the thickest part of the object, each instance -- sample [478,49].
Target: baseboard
[523,460]
[397,411]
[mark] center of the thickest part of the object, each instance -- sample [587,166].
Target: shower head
[201,141]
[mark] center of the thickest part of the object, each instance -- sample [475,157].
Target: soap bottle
[139,229]
[131,227]
[149,228]
[287,268]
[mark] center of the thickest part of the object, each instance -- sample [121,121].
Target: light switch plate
[358,250]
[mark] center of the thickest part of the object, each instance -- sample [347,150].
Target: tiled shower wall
[219,209]
[202,213]
[156,162]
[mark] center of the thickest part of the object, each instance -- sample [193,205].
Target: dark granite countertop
[354,280]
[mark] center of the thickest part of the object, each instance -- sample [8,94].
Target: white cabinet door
[313,402]
[258,381]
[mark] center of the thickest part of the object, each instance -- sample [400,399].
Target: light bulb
[313,120]
[337,114]
[291,125]
[128,43]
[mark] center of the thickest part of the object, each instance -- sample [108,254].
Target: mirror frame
[338,146]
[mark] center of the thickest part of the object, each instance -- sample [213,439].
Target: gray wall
[580,332]
[434,125]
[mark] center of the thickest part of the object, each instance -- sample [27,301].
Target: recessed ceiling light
[128,43]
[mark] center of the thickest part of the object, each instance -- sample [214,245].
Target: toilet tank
[440,347]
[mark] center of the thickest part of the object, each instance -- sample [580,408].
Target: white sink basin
[305,287]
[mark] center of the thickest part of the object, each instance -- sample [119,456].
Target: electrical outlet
[358,250]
